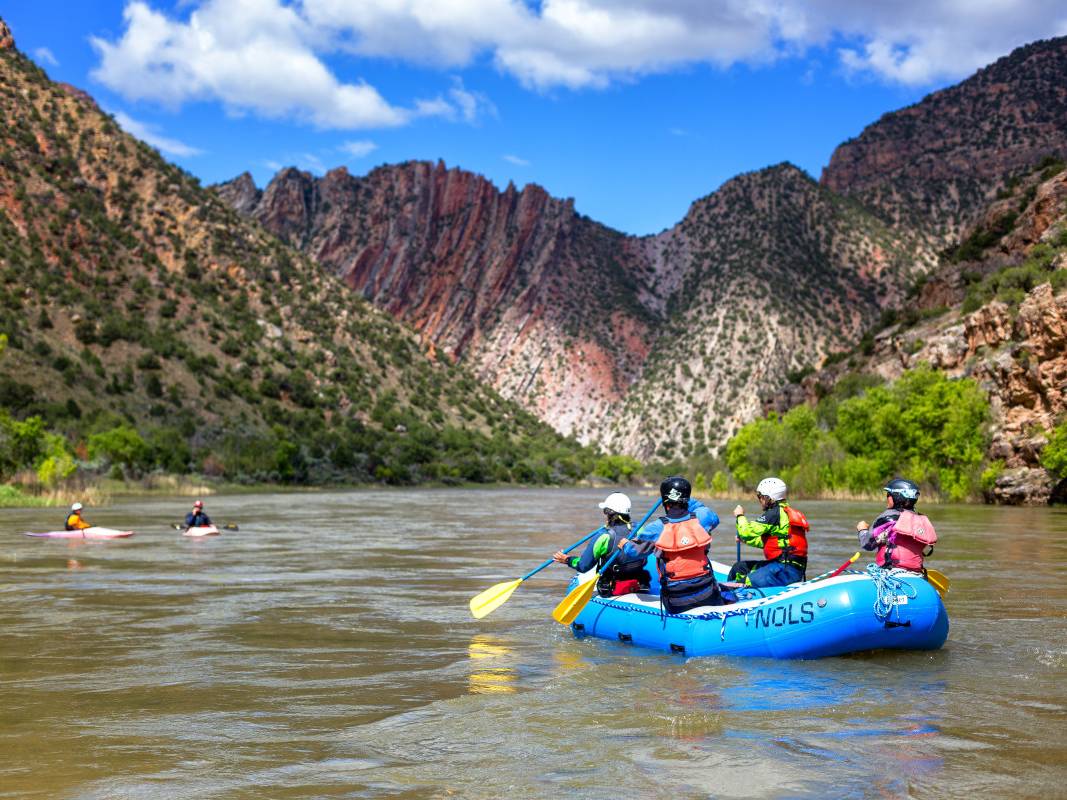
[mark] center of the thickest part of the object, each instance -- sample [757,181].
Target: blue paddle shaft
[618,551]
[583,540]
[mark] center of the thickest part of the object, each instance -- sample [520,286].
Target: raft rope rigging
[889,589]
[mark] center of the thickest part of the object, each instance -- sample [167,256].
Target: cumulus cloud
[359,149]
[45,56]
[266,56]
[251,55]
[147,133]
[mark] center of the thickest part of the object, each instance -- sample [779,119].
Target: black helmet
[904,493]
[675,490]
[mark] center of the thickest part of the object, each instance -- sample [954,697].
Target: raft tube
[84,533]
[807,620]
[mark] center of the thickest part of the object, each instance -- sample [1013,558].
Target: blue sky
[634,108]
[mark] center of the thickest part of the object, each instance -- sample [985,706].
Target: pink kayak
[84,533]
[201,530]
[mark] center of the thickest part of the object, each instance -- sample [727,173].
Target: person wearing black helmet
[900,495]
[681,541]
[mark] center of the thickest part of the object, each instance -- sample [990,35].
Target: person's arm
[752,532]
[644,542]
[708,519]
[592,553]
[190,518]
[83,524]
[204,519]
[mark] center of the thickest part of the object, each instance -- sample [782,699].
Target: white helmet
[617,502]
[76,507]
[773,488]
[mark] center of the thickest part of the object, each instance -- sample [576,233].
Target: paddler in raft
[74,519]
[197,518]
[681,540]
[902,537]
[781,531]
[626,574]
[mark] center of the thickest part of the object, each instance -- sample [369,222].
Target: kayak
[84,533]
[201,530]
[852,612]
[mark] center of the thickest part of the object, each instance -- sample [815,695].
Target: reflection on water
[315,653]
[488,674]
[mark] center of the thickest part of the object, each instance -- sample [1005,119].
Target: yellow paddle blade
[938,581]
[493,598]
[571,605]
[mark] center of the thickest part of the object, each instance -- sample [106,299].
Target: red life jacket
[796,542]
[906,544]
[683,550]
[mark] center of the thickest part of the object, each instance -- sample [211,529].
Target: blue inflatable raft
[855,611]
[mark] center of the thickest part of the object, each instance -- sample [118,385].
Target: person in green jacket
[627,574]
[781,531]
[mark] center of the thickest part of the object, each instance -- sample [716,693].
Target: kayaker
[781,531]
[681,540]
[74,519]
[197,518]
[626,574]
[901,536]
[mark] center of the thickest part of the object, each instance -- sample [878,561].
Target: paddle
[229,526]
[571,605]
[839,570]
[495,596]
[938,581]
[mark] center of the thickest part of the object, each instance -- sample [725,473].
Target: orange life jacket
[76,523]
[796,541]
[683,550]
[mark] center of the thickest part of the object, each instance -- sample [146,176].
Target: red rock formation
[935,165]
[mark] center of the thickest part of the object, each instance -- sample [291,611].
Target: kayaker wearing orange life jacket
[74,519]
[781,531]
[625,575]
[681,540]
[900,535]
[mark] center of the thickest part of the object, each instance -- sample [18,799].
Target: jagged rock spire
[7,41]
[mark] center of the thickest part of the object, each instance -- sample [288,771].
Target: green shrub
[1054,454]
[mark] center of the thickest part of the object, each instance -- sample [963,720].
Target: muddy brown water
[326,650]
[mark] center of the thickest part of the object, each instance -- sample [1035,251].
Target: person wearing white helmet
[781,531]
[626,574]
[74,519]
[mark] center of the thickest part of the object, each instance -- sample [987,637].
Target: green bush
[1054,455]
[120,446]
[931,428]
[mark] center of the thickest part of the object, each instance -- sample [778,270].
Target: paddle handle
[551,561]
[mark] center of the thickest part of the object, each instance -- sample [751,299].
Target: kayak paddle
[938,581]
[495,596]
[571,605]
[229,526]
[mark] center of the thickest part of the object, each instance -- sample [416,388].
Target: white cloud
[251,55]
[45,56]
[359,149]
[265,56]
[518,162]
[147,133]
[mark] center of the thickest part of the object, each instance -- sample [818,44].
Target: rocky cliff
[934,166]
[1001,318]
[562,314]
[553,309]
[131,294]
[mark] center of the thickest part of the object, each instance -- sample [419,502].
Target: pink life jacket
[909,536]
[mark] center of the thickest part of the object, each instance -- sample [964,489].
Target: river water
[326,650]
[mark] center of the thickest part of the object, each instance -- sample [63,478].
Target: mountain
[996,311]
[644,343]
[933,167]
[554,310]
[134,297]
